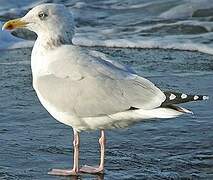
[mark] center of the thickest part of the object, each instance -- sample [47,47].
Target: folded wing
[102,88]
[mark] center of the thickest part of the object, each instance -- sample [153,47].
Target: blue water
[167,24]
[32,142]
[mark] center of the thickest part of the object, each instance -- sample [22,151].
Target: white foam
[10,42]
[150,43]
[107,35]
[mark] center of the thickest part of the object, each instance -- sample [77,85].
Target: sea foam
[166,24]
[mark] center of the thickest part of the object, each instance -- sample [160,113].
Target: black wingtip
[177,98]
[200,97]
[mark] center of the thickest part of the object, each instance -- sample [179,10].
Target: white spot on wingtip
[172,96]
[196,97]
[183,96]
[205,97]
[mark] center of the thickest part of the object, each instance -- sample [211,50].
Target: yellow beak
[13,24]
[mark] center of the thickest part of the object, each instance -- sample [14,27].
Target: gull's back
[80,82]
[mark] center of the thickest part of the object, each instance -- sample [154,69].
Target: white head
[53,23]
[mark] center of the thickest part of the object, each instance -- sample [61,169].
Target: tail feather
[178,98]
[178,108]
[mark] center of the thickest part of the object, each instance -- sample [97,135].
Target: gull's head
[53,22]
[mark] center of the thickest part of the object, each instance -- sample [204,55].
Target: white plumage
[79,86]
[82,88]
[85,89]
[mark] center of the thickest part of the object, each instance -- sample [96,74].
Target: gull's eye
[42,15]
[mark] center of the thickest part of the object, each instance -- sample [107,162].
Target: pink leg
[75,170]
[100,168]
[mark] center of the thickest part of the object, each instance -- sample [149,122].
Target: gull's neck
[42,47]
[52,41]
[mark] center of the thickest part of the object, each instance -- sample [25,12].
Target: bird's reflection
[95,177]
[100,177]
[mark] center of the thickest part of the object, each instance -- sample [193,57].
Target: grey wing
[86,98]
[103,57]
[104,89]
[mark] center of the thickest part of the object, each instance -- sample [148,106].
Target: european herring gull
[86,90]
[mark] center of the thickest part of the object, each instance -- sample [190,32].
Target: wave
[10,42]
[158,43]
[165,24]
[189,8]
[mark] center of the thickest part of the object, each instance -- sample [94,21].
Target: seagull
[85,89]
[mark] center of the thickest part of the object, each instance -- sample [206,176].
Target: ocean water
[32,142]
[167,24]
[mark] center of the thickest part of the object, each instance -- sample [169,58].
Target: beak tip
[13,24]
[3,28]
